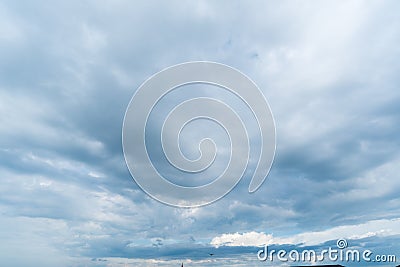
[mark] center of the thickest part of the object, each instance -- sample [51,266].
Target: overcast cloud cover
[330,71]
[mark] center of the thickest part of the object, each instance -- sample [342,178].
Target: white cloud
[242,239]
[371,228]
[380,228]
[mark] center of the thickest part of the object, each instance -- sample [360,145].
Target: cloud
[381,228]
[245,239]
[69,70]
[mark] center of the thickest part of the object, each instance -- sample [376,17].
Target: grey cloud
[329,71]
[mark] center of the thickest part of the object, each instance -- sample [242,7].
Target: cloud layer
[68,70]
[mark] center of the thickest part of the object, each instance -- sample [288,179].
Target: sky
[68,69]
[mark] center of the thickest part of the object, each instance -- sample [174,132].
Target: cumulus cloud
[242,239]
[382,228]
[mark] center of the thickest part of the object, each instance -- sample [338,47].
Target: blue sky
[68,70]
